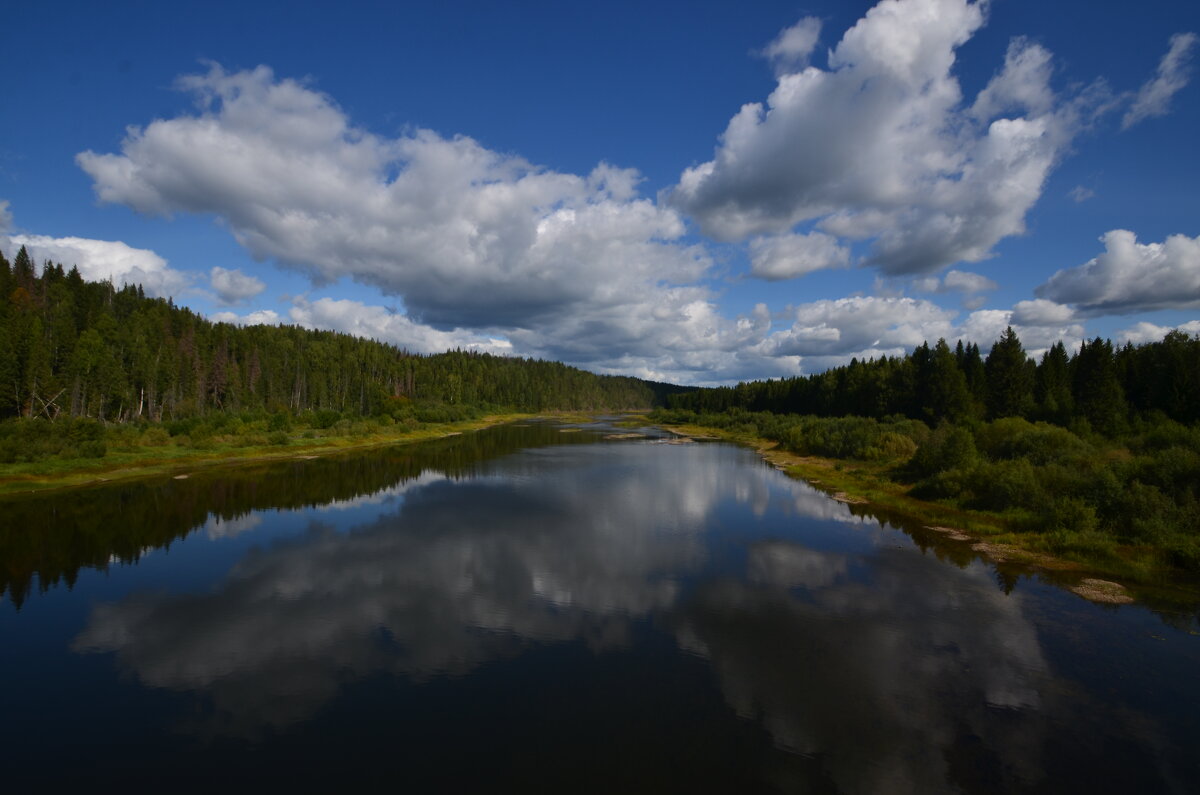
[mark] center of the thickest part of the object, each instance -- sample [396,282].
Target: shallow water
[523,608]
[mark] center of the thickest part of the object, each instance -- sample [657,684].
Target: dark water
[537,610]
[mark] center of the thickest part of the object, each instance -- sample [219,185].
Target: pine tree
[1053,385]
[1009,382]
[1098,395]
[947,396]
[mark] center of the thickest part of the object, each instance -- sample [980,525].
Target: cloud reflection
[877,663]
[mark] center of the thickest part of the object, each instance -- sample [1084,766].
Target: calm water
[528,608]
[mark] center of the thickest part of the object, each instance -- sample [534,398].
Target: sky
[695,192]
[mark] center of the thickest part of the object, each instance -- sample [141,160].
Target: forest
[1092,455]
[82,363]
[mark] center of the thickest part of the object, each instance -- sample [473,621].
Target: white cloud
[468,236]
[881,146]
[380,323]
[955,282]
[789,256]
[1143,332]
[100,260]
[262,317]
[1040,312]
[5,216]
[861,326]
[484,249]
[828,333]
[1080,194]
[792,48]
[1154,98]
[1131,277]
[233,286]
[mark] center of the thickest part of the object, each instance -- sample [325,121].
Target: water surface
[528,608]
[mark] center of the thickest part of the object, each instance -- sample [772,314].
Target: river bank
[178,460]
[966,534]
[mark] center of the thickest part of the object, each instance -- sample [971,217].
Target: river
[546,608]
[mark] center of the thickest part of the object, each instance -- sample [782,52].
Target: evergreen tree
[1096,390]
[1009,385]
[1053,385]
[947,394]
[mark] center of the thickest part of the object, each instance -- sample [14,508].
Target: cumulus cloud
[1154,98]
[955,282]
[576,268]
[233,286]
[862,326]
[1040,312]
[262,317]
[468,236]
[1131,276]
[881,146]
[380,323]
[828,333]
[793,47]
[788,256]
[1143,332]
[100,260]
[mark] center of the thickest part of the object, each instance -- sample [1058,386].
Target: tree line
[75,348]
[1100,385]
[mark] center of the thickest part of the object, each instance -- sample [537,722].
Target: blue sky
[694,192]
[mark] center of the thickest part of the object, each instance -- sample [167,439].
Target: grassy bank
[153,451]
[963,534]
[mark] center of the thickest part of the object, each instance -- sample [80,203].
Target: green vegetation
[1093,458]
[93,377]
[84,528]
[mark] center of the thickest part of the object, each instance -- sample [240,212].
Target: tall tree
[1053,387]
[1009,381]
[1098,395]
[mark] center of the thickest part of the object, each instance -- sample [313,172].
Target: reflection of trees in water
[462,573]
[888,671]
[51,537]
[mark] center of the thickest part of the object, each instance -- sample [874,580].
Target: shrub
[1000,485]
[325,418]
[155,437]
[948,447]
[93,449]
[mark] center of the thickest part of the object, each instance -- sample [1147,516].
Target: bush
[949,484]
[155,437]
[1143,514]
[93,449]
[278,438]
[948,447]
[1040,443]
[1000,485]
[325,419]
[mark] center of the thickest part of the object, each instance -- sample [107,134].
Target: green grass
[176,454]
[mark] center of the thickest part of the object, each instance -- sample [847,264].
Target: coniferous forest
[1093,455]
[79,356]
[1097,451]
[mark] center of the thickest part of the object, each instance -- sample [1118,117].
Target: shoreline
[956,530]
[143,464]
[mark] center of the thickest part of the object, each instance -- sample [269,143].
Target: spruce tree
[1009,385]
